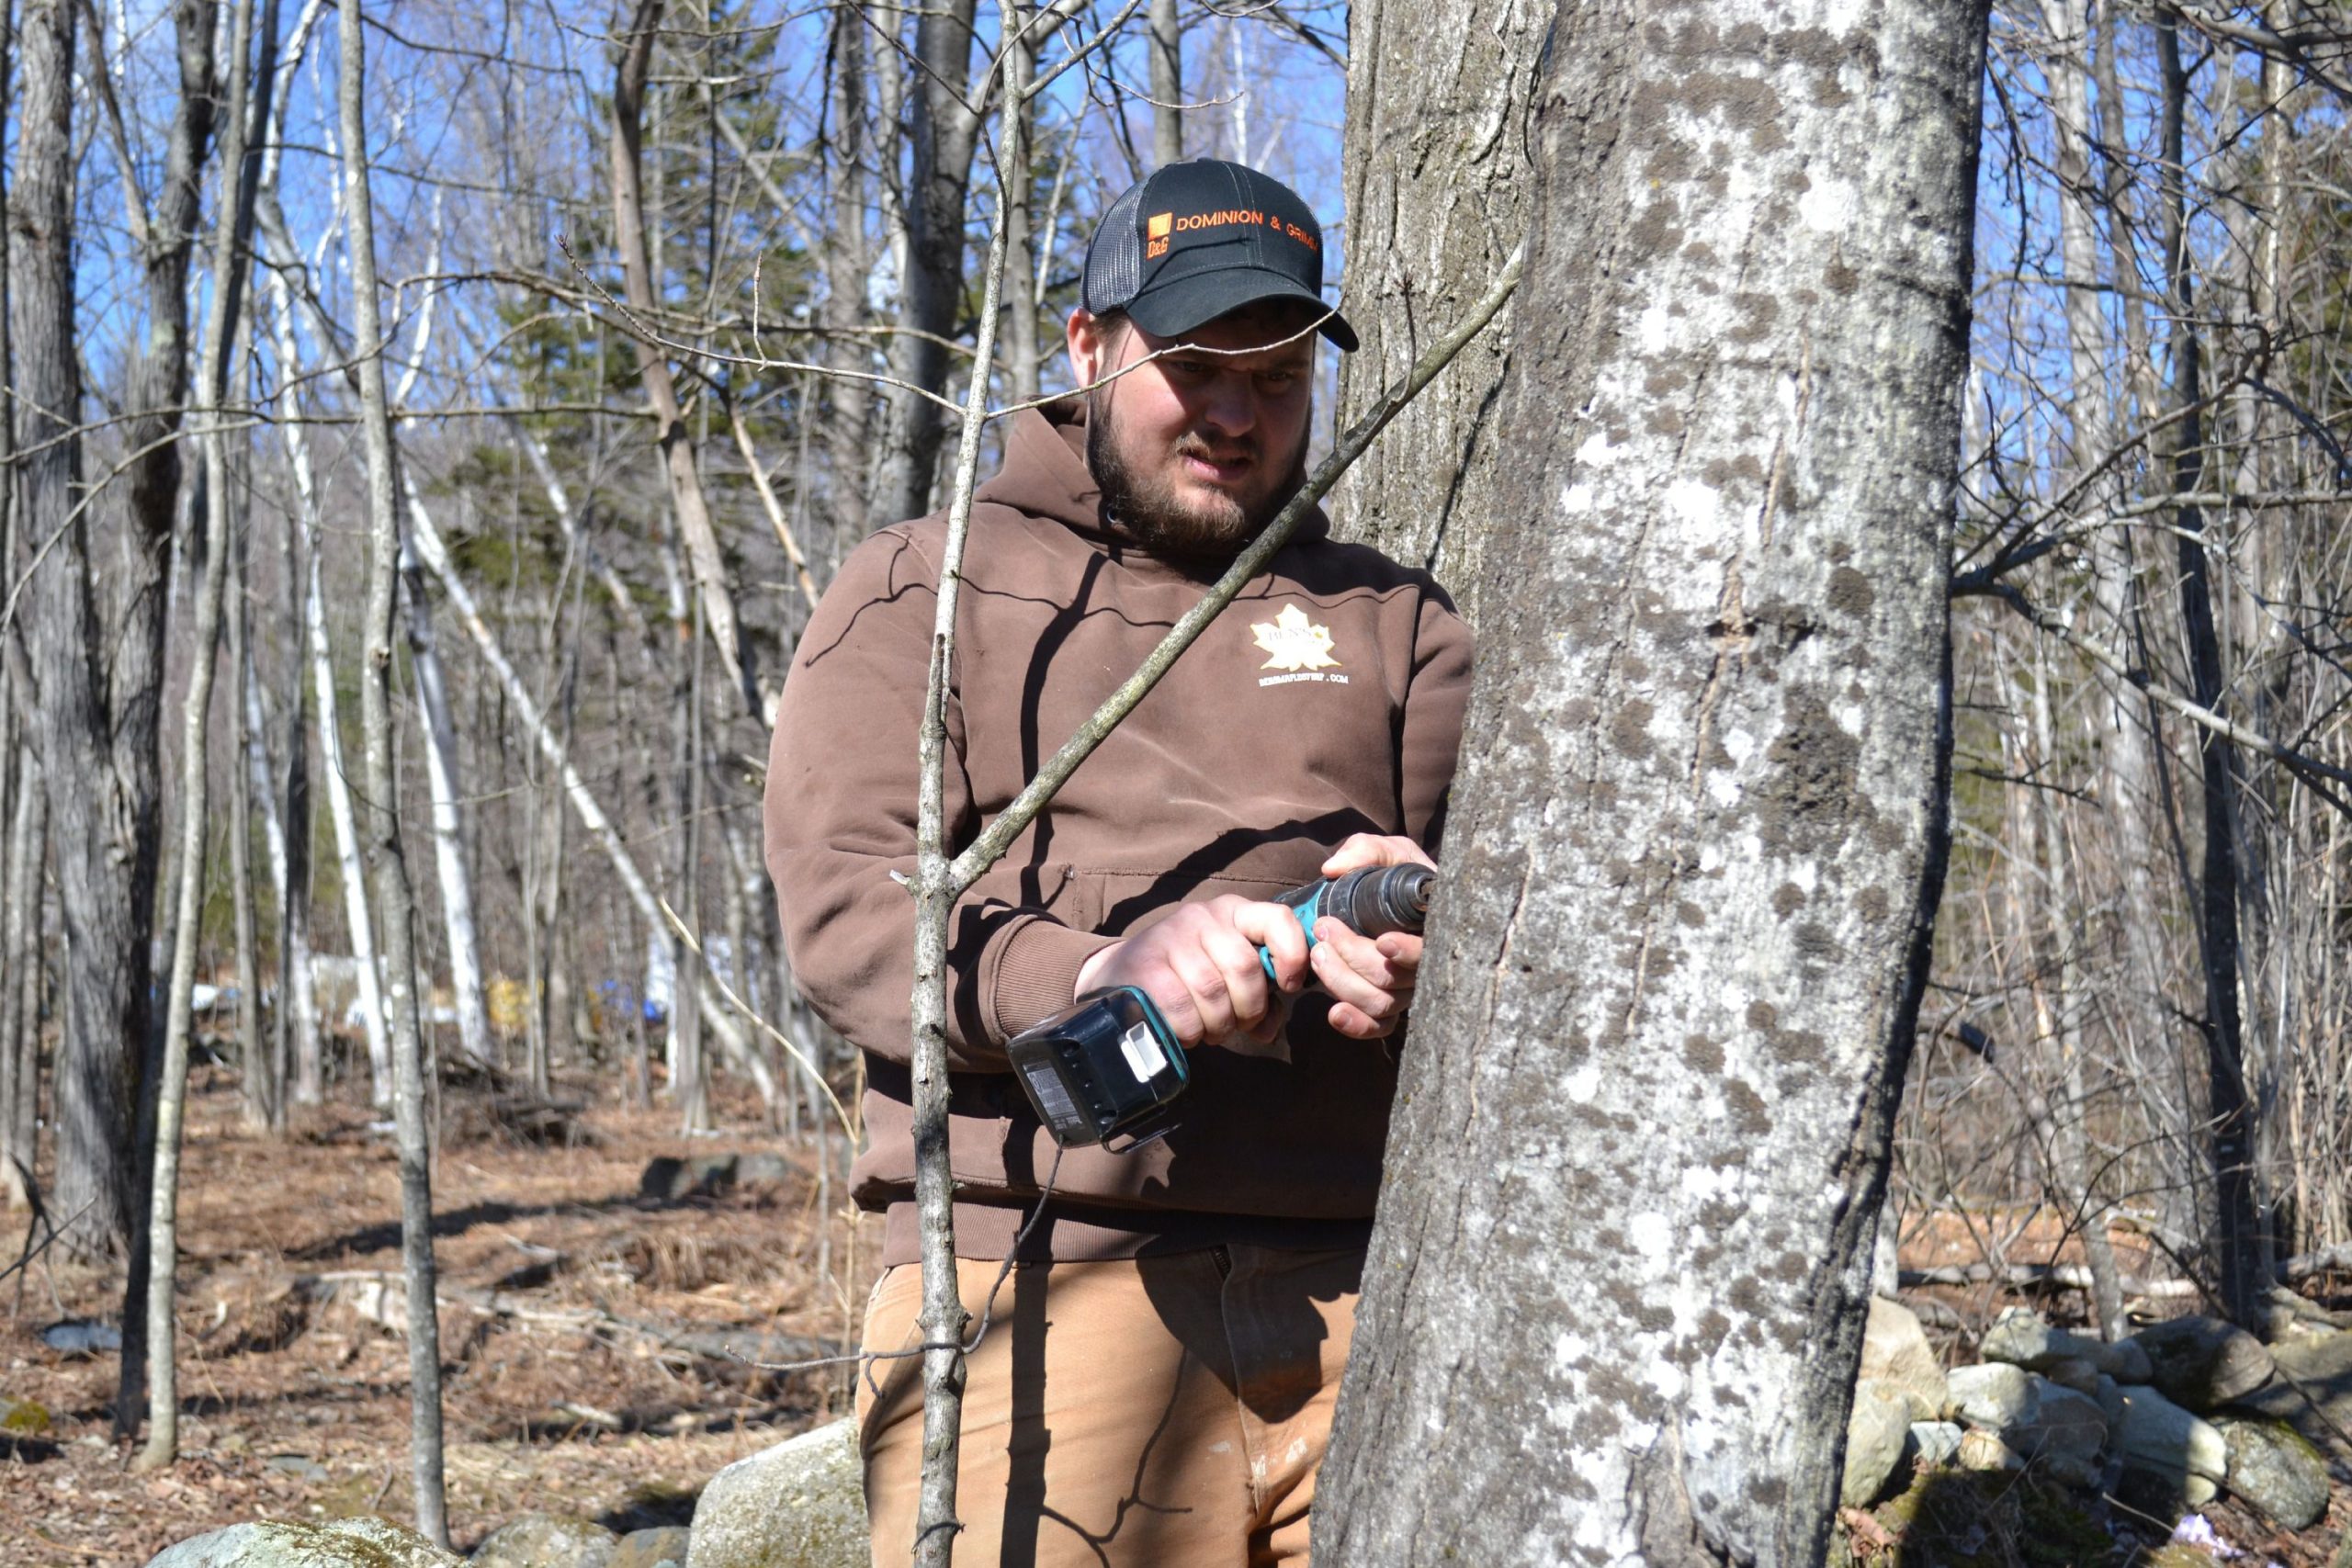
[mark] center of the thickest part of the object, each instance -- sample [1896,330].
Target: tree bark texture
[849,262]
[100,776]
[943,138]
[448,794]
[1166,72]
[388,877]
[2236,1221]
[20,970]
[1436,167]
[1613,1303]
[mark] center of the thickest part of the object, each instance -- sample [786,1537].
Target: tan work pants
[1143,1412]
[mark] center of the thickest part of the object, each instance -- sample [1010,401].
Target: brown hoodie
[1325,700]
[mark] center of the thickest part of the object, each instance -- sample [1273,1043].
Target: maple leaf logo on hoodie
[1290,643]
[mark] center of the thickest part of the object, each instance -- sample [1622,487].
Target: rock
[764,1170]
[2074,1373]
[2159,1438]
[1875,1434]
[2319,1366]
[2201,1362]
[2273,1468]
[669,1179]
[80,1337]
[23,1418]
[2056,1428]
[2021,1337]
[2197,1491]
[2109,1394]
[2063,1433]
[1934,1442]
[1886,1263]
[341,1543]
[1982,1450]
[1895,1353]
[1991,1395]
[665,1546]
[546,1540]
[798,1505]
[301,1467]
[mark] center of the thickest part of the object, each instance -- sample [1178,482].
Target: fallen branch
[379,1297]
[2065,1276]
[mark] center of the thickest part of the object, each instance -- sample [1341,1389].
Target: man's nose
[1230,407]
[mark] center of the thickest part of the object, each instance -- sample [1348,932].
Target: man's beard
[1147,509]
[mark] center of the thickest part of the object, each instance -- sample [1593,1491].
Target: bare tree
[679,464]
[1613,1303]
[101,826]
[944,132]
[1167,78]
[387,864]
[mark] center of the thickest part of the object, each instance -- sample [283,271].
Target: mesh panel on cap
[1115,264]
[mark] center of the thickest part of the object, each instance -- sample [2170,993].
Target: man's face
[1197,450]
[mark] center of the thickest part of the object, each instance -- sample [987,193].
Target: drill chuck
[1371,901]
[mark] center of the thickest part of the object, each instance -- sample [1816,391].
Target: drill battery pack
[1103,1070]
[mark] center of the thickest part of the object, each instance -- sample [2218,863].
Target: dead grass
[295,1396]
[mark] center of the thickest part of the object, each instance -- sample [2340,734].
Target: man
[1158,1383]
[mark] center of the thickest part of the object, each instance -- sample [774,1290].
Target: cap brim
[1181,304]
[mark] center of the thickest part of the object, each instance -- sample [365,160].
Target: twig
[991,846]
[849,1128]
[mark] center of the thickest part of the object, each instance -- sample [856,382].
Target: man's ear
[1087,341]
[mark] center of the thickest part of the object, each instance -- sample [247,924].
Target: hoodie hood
[1045,475]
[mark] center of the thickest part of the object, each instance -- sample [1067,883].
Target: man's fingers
[1356,1024]
[1274,928]
[1245,987]
[1361,850]
[1211,996]
[1356,970]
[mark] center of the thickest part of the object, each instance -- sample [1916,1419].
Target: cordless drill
[1107,1070]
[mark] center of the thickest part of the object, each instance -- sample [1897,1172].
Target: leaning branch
[989,847]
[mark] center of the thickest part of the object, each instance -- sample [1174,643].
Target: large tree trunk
[2236,1241]
[395,905]
[1436,167]
[103,837]
[1614,1300]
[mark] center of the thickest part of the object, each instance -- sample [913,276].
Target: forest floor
[565,1294]
[585,1328]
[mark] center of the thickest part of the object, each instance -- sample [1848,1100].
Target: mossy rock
[344,1543]
[798,1505]
[1953,1519]
[23,1418]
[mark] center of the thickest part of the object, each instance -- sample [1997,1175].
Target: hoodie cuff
[1030,971]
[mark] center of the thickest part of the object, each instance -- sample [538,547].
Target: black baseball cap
[1200,238]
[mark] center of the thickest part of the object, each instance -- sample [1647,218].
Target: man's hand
[1200,968]
[1370,979]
